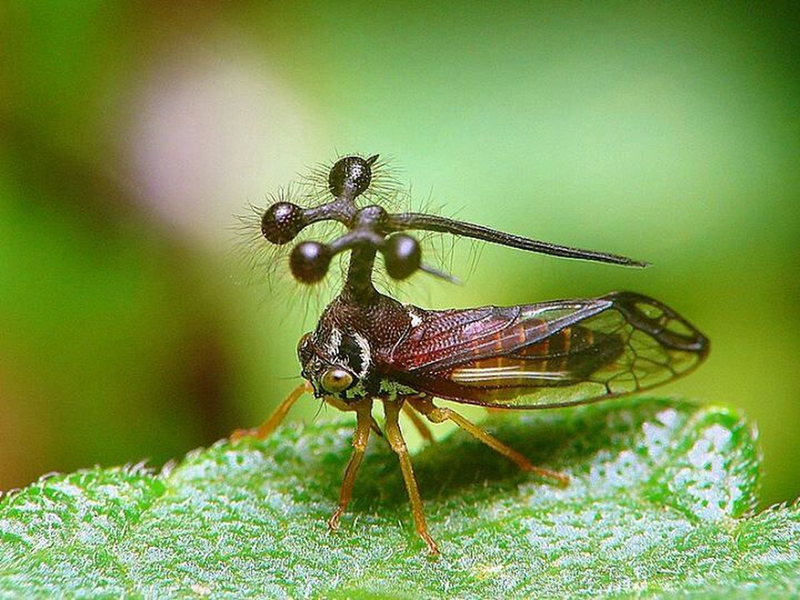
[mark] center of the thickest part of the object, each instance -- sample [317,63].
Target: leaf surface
[662,500]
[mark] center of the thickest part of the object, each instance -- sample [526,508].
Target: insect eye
[309,261]
[302,342]
[402,255]
[336,380]
[281,222]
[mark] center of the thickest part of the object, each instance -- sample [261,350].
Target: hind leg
[436,414]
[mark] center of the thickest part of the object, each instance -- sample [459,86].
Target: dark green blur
[131,133]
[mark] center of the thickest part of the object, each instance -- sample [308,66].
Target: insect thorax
[358,338]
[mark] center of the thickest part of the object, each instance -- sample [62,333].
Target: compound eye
[302,342]
[336,380]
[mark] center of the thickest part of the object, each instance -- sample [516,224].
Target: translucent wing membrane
[550,354]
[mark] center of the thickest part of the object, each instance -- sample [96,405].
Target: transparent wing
[562,353]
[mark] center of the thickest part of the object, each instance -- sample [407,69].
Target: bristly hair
[260,262]
[384,189]
[437,249]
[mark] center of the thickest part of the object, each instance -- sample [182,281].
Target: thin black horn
[418,221]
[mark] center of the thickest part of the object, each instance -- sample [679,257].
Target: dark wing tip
[664,324]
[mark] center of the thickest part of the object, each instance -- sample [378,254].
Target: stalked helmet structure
[368,346]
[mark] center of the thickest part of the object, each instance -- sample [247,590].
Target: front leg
[345,407]
[275,419]
[363,410]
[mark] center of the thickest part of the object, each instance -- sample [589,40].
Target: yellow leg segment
[395,437]
[364,421]
[276,417]
[420,425]
[436,414]
[344,407]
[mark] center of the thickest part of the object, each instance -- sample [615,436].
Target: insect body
[368,346]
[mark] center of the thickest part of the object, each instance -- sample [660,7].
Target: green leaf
[662,500]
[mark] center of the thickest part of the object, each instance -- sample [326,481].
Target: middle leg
[398,444]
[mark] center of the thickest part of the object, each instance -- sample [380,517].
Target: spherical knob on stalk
[350,176]
[309,261]
[281,222]
[402,255]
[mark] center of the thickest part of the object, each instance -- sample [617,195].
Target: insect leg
[423,429]
[276,417]
[363,410]
[395,436]
[344,407]
[438,415]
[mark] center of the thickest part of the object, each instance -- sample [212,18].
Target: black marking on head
[350,351]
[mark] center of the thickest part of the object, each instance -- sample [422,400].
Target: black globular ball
[402,255]
[309,261]
[281,222]
[350,176]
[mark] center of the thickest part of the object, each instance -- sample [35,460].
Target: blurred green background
[130,133]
